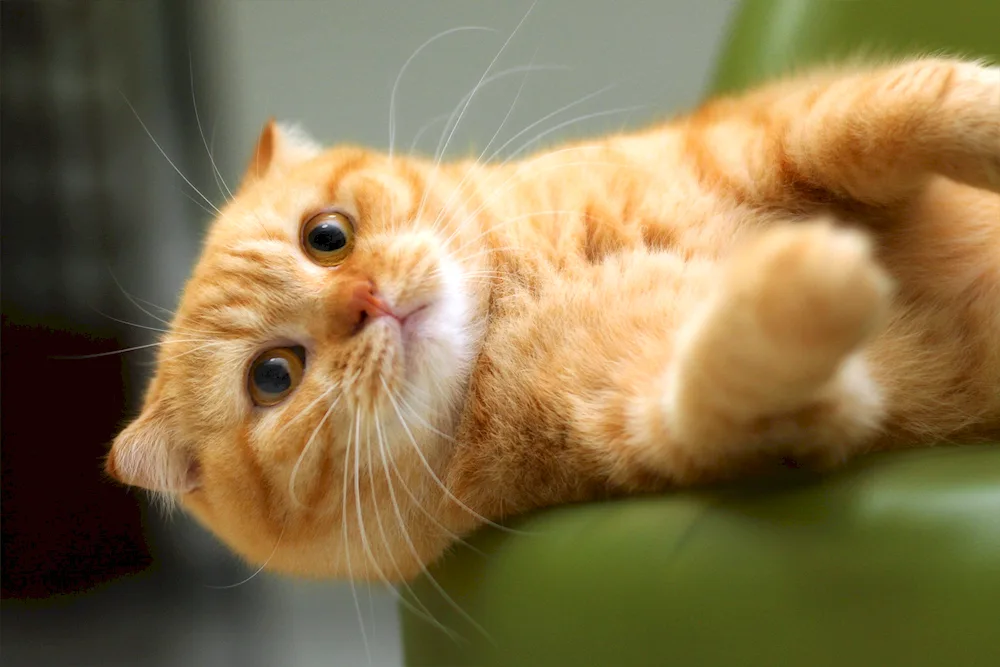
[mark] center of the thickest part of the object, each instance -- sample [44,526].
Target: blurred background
[122,125]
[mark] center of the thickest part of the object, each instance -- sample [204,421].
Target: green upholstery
[772,37]
[894,561]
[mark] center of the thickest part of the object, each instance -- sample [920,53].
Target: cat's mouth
[409,323]
[413,317]
[407,319]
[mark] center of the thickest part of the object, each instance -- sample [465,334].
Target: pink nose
[364,304]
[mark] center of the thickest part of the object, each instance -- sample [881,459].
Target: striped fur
[807,272]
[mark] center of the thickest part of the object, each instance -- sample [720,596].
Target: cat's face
[316,363]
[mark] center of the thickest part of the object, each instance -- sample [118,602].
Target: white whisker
[494,77]
[423,612]
[305,449]
[135,301]
[442,147]
[402,71]
[194,201]
[433,519]
[423,422]
[413,550]
[347,551]
[166,157]
[565,107]
[191,351]
[434,477]
[220,182]
[259,569]
[510,110]
[572,121]
[365,544]
[127,349]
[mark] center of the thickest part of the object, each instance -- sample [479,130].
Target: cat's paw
[814,290]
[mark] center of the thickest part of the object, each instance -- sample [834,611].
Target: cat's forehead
[365,184]
[314,182]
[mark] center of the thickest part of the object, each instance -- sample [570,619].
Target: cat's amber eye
[328,237]
[275,374]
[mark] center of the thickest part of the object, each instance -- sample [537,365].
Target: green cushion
[895,561]
[772,37]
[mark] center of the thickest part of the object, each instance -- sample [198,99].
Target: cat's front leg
[871,135]
[772,363]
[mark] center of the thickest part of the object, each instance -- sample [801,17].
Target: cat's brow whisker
[498,151]
[565,107]
[305,449]
[458,188]
[451,117]
[531,126]
[494,77]
[443,146]
[346,549]
[423,130]
[220,182]
[423,459]
[166,157]
[406,65]
[572,121]
[485,74]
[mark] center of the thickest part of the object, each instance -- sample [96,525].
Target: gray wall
[331,65]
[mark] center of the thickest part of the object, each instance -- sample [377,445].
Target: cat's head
[317,362]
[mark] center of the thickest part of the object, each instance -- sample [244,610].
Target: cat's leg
[872,136]
[772,363]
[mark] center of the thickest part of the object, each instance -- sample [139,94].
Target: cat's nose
[364,305]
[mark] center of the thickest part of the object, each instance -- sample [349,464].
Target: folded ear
[146,454]
[278,147]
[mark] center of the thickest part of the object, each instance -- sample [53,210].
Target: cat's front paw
[813,289]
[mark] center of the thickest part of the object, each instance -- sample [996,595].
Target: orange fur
[808,271]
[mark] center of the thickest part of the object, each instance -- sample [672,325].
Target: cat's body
[676,306]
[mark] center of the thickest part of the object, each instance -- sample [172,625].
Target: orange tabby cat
[376,354]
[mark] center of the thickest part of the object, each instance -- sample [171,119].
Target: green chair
[894,561]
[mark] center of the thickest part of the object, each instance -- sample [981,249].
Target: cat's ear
[146,454]
[279,146]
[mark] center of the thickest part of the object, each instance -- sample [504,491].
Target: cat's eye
[275,374]
[328,237]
